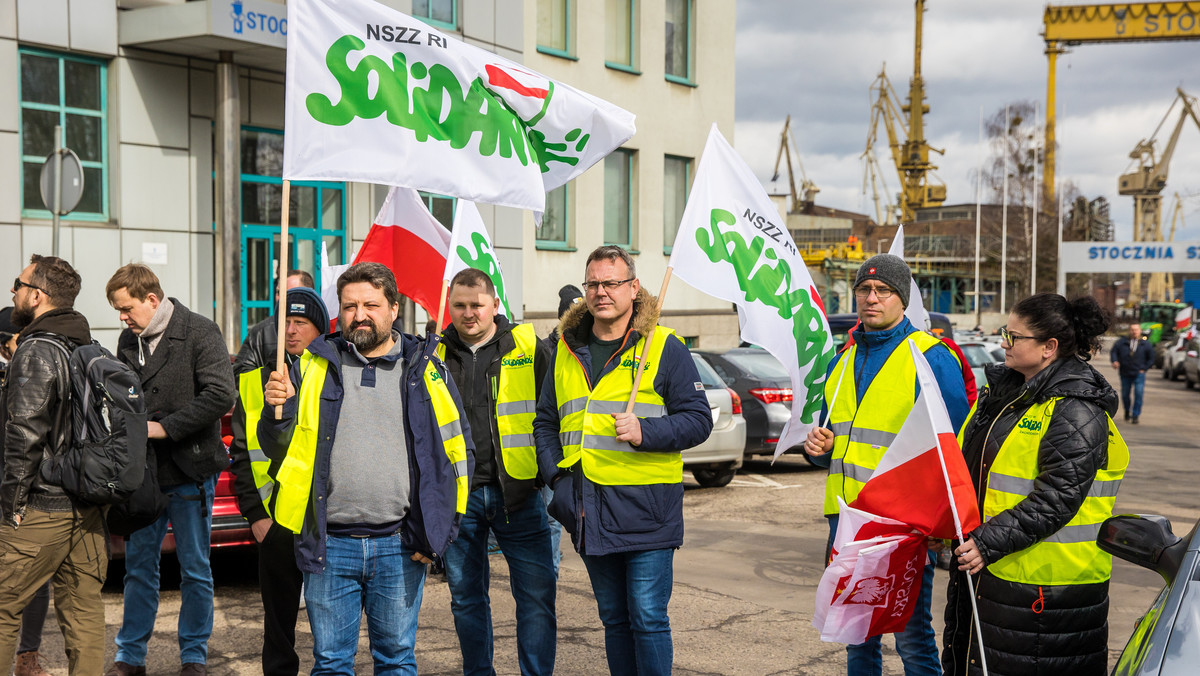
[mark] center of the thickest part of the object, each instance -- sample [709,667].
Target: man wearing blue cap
[254,483]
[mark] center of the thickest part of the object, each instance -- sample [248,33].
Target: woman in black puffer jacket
[1046,469]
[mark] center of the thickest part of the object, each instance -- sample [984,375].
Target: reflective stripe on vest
[295,474]
[250,389]
[586,427]
[1070,555]
[516,404]
[862,432]
[445,410]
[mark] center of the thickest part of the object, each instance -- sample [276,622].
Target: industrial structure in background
[1145,184]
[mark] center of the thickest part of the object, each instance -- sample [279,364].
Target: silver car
[716,461]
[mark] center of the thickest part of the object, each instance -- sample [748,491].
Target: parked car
[1173,357]
[979,355]
[1191,363]
[1165,640]
[229,528]
[716,461]
[840,325]
[765,389]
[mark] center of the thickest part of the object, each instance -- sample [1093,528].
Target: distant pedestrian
[1132,356]
[259,348]
[184,366]
[45,534]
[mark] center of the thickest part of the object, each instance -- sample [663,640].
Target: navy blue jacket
[623,518]
[1133,359]
[432,521]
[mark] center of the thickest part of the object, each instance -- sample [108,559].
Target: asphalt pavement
[745,578]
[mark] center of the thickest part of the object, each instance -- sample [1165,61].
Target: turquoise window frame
[629,186]
[630,67]
[668,247]
[569,52]
[63,110]
[563,244]
[452,26]
[429,197]
[690,80]
[268,233]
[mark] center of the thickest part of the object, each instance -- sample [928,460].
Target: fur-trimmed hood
[576,325]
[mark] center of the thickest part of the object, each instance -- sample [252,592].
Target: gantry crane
[807,195]
[885,210]
[1148,178]
[1069,25]
[910,154]
[1162,284]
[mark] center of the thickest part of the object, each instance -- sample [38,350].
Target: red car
[229,528]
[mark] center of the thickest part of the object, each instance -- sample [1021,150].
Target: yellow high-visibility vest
[516,403]
[295,475]
[250,389]
[862,432]
[587,429]
[1070,555]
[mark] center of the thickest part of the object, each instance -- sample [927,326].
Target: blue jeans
[555,530]
[917,644]
[632,591]
[524,539]
[191,523]
[1138,384]
[373,574]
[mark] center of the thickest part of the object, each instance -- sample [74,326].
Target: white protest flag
[470,247]
[329,277]
[376,96]
[916,312]
[729,245]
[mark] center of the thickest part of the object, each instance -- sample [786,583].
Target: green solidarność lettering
[771,285]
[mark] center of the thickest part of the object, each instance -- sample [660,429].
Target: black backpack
[106,463]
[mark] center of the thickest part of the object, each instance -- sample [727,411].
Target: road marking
[755,481]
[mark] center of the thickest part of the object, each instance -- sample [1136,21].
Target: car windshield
[977,355]
[708,376]
[758,365]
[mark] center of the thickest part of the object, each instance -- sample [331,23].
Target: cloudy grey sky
[816,59]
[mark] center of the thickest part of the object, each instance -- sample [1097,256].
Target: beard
[21,316]
[365,340]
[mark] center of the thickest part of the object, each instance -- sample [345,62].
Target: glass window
[677,175]
[65,91]
[316,216]
[618,197]
[441,207]
[619,33]
[440,13]
[555,220]
[554,26]
[679,39]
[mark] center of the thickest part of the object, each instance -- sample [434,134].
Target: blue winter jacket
[1133,359]
[874,348]
[432,520]
[610,519]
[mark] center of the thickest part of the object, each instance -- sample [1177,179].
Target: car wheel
[1166,372]
[714,478]
[1190,383]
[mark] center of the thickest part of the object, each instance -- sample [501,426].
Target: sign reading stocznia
[376,96]
[1130,256]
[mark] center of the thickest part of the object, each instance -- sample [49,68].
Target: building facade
[176,111]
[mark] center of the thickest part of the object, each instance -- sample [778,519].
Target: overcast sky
[816,59]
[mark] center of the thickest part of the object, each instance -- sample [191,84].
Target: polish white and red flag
[1183,318]
[922,479]
[873,580]
[412,244]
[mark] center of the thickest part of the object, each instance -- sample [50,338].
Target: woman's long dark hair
[1076,324]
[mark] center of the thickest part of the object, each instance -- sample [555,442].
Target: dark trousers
[33,620]
[280,581]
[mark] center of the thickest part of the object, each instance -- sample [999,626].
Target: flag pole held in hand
[641,367]
[281,270]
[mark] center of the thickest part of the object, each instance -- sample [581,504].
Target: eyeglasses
[881,292]
[1012,338]
[608,284]
[17,284]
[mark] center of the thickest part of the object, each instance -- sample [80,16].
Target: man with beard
[46,534]
[376,461]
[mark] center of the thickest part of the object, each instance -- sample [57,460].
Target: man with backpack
[188,381]
[45,533]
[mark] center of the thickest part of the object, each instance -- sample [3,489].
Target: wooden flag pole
[637,379]
[442,304]
[281,329]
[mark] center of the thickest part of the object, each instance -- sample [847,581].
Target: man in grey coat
[186,375]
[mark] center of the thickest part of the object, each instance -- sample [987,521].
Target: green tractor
[1158,325]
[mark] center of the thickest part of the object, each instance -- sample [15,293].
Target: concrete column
[227,158]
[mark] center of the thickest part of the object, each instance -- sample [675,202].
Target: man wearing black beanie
[870,389]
